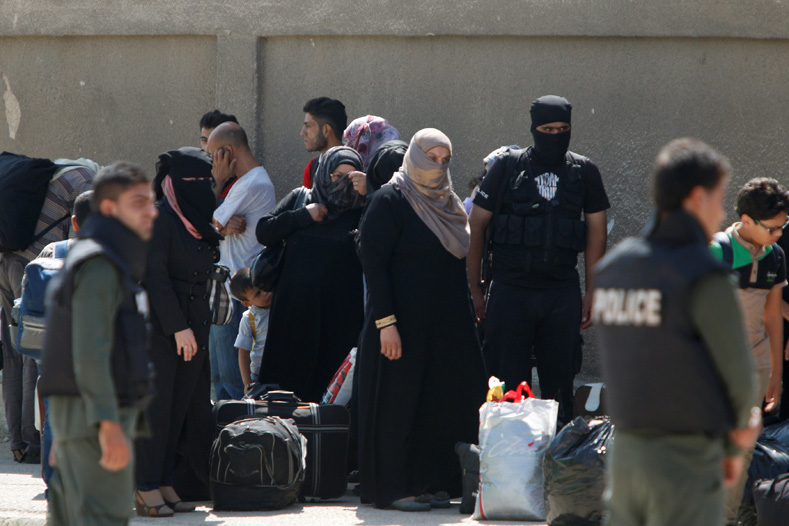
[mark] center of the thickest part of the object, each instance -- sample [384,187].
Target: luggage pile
[524,470]
[270,451]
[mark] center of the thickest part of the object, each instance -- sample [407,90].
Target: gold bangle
[385,322]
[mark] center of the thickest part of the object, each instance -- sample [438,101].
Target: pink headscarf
[169,193]
[366,134]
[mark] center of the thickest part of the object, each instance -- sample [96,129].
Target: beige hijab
[428,188]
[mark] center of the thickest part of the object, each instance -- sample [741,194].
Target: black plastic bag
[575,472]
[770,459]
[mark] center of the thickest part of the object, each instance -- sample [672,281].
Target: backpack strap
[252,327]
[724,240]
[61,249]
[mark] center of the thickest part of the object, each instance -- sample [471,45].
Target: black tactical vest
[542,212]
[130,368]
[658,373]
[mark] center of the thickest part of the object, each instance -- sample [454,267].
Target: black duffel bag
[257,464]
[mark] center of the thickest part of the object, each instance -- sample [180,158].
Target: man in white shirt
[250,198]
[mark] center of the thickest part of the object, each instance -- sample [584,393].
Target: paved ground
[22,504]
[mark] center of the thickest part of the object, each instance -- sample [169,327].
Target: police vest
[658,372]
[542,212]
[129,361]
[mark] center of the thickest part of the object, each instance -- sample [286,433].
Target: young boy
[253,327]
[749,248]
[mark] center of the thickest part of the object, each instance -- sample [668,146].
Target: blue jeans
[46,445]
[225,374]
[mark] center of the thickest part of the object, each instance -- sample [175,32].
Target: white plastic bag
[513,439]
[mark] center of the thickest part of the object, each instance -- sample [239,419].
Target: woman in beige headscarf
[421,374]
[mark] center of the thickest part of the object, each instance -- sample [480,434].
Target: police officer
[95,366]
[682,388]
[534,200]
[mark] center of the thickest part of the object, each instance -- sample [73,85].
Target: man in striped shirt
[20,372]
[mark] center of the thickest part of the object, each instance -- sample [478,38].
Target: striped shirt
[58,203]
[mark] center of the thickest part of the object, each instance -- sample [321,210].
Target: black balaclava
[550,148]
[195,198]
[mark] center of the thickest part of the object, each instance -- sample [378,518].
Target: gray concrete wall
[128,80]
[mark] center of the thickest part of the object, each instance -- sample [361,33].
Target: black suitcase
[325,427]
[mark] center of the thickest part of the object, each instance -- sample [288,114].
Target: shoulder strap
[61,249]
[252,327]
[724,240]
[512,161]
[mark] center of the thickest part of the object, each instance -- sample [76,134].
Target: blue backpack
[30,307]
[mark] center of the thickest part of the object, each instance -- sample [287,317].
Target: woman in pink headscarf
[421,373]
[366,134]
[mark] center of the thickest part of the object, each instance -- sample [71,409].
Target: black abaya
[317,307]
[413,410]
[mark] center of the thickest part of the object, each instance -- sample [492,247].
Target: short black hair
[82,207]
[328,111]
[682,165]
[113,180]
[762,198]
[214,118]
[240,283]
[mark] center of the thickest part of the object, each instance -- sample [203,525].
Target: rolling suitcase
[325,427]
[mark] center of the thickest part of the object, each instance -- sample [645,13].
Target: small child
[253,327]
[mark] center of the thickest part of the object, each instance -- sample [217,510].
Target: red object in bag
[517,395]
[339,390]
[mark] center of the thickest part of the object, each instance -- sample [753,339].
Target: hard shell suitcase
[326,428]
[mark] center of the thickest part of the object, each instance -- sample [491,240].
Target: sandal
[19,455]
[143,510]
[180,506]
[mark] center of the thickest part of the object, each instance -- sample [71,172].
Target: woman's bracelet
[385,322]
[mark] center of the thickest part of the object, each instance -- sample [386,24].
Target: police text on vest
[634,307]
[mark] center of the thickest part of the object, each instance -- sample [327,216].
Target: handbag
[220,300]
[267,266]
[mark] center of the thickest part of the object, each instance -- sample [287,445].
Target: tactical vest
[658,372]
[542,212]
[129,360]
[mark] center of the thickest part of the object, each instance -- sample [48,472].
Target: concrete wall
[112,80]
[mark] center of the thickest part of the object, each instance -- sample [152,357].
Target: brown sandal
[143,510]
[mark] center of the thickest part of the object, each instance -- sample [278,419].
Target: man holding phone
[250,198]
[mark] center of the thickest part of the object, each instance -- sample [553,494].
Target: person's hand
[773,393]
[732,467]
[479,302]
[586,312]
[359,182]
[391,347]
[223,167]
[745,437]
[115,453]
[235,225]
[185,342]
[317,211]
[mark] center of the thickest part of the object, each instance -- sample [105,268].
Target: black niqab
[195,198]
[550,148]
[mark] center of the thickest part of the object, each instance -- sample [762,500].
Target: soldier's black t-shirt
[595,199]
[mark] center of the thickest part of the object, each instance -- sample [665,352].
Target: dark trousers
[545,323]
[19,372]
[176,384]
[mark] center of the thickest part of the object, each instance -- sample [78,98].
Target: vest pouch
[517,230]
[571,234]
[130,361]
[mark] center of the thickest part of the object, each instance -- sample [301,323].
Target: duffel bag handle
[281,397]
[517,395]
